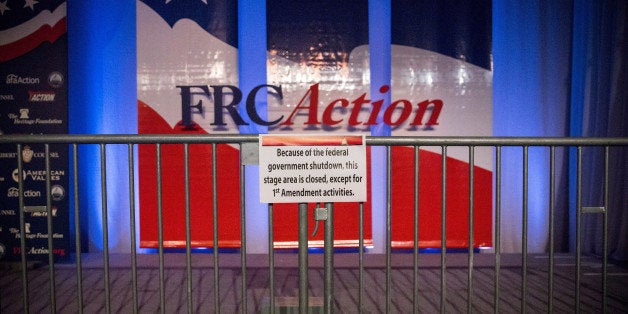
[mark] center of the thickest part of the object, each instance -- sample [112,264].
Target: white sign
[312,168]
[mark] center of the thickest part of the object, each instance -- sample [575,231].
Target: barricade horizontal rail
[383,286]
[370,140]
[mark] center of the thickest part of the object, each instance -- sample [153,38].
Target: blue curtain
[531,86]
[560,70]
[599,87]
[102,99]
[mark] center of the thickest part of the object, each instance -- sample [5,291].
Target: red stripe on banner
[318,140]
[28,43]
[346,222]
[430,200]
[285,218]
[173,188]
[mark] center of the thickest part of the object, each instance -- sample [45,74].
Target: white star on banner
[30,3]
[4,7]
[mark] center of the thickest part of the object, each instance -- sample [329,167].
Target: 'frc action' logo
[358,111]
[16,79]
[15,192]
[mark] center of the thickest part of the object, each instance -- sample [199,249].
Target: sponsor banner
[191,86]
[35,197]
[33,100]
[318,82]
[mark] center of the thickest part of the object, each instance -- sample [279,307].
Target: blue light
[252,72]
[379,56]
[102,100]
[380,67]
[252,58]
[529,100]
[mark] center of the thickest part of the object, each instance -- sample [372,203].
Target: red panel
[173,189]
[173,201]
[346,221]
[430,195]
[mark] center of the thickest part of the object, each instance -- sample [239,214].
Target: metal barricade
[22,301]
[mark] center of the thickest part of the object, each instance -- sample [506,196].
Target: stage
[346,283]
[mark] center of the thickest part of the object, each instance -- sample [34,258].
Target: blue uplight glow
[102,100]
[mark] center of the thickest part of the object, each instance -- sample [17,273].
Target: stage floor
[346,284]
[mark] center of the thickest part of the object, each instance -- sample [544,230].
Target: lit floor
[346,284]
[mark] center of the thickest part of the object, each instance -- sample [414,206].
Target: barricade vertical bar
[51,259]
[415,249]
[470,256]
[132,226]
[303,262]
[160,232]
[361,257]
[498,191]
[215,227]
[605,230]
[20,182]
[77,228]
[578,222]
[271,260]
[443,230]
[329,259]
[388,226]
[524,236]
[243,234]
[105,225]
[550,282]
[188,234]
